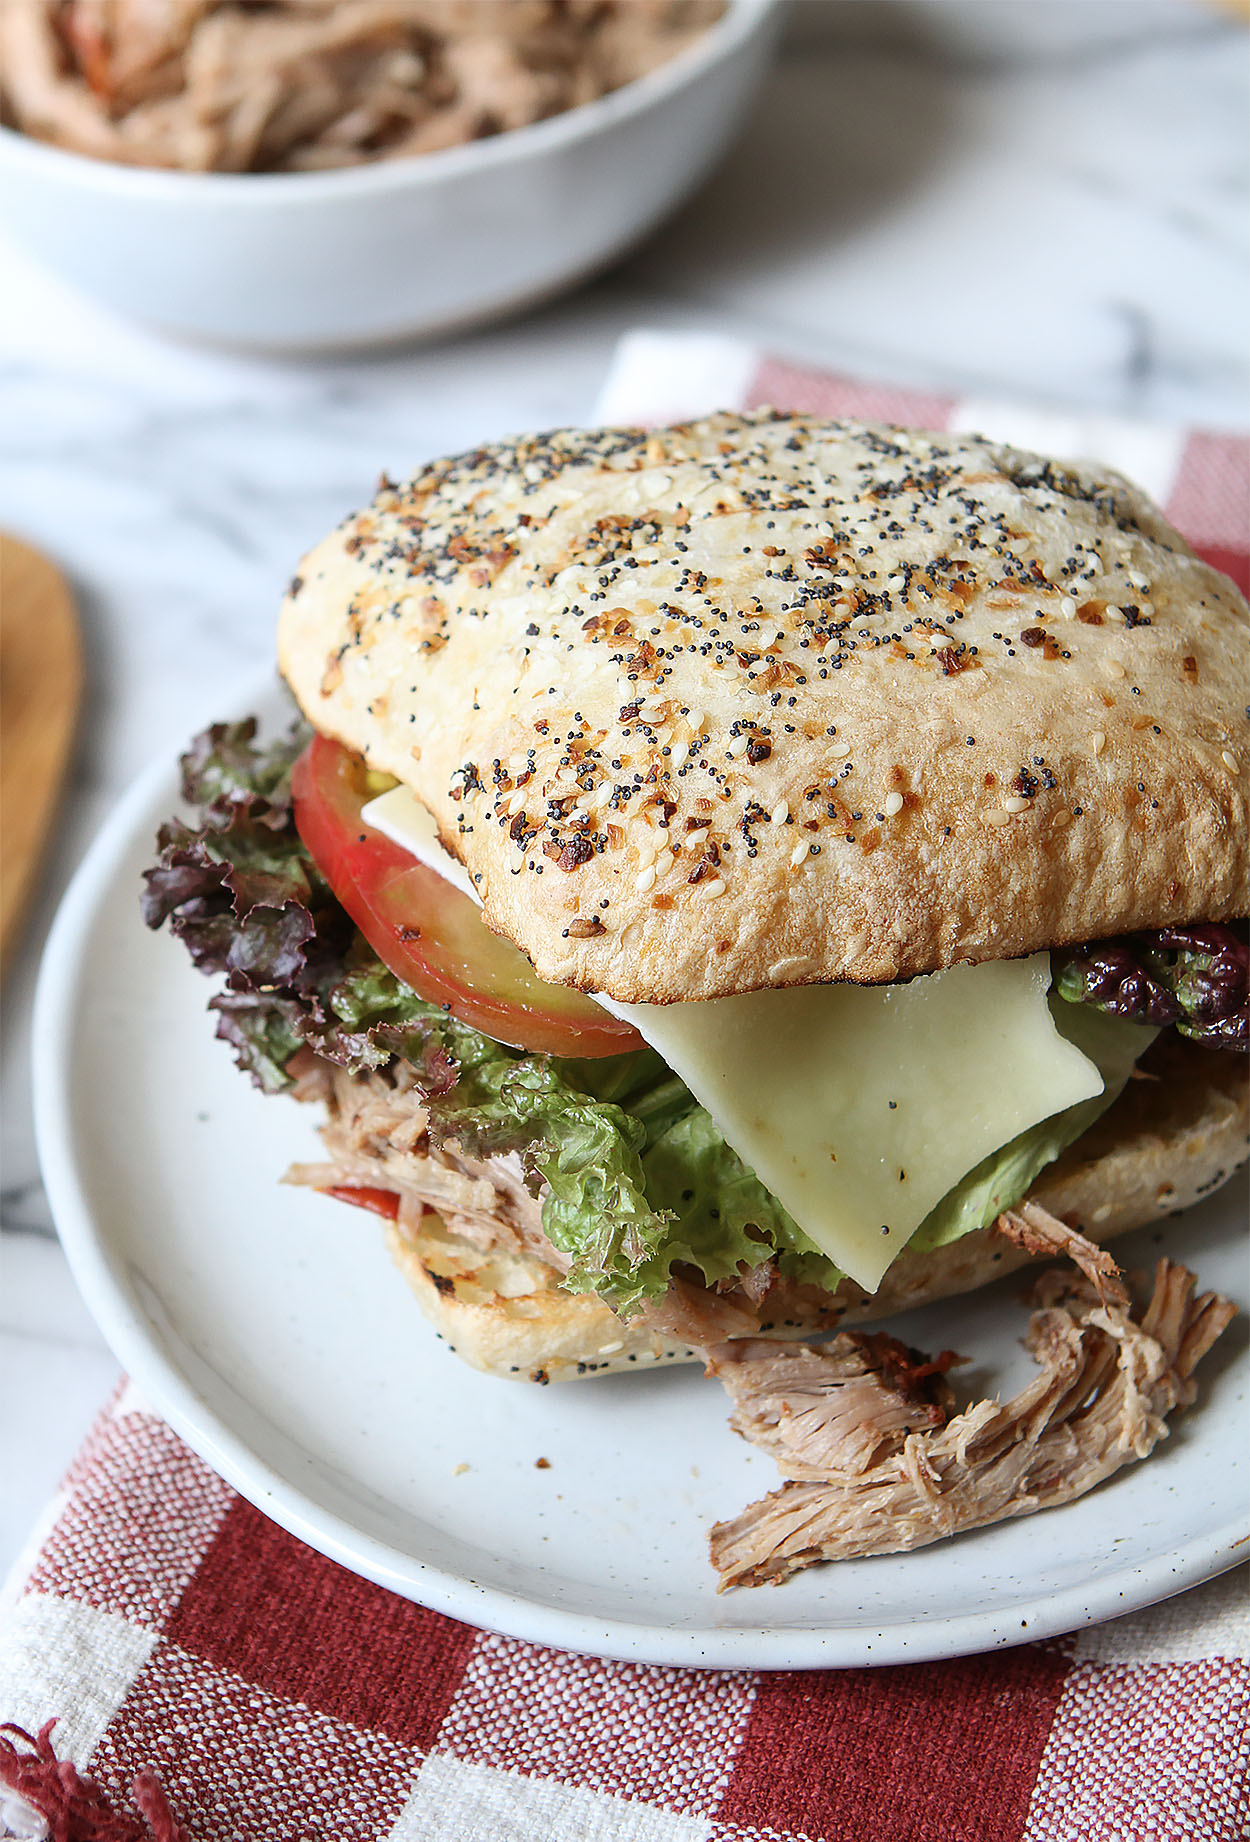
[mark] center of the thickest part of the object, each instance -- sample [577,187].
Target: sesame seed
[1113,668]
[893,804]
[1230,761]
[697,837]
[799,853]
[738,746]
[645,879]
[996,816]
[1015,802]
[516,804]
[838,751]
[792,963]
[1098,741]
[1067,607]
[780,812]
[710,890]
[680,754]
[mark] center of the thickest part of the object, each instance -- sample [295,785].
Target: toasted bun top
[765,699]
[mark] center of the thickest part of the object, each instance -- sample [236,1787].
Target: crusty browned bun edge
[1174,1135]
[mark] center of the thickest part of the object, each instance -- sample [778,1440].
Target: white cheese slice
[405,820]
[858,1106]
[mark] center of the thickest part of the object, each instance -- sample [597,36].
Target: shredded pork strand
[839,1408]
[873,1482]
[376,1135]
[301,85]
[754,1299]
[1036,1231]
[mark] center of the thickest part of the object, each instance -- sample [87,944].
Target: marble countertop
[1030,198]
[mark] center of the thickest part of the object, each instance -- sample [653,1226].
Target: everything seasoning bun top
[764,699]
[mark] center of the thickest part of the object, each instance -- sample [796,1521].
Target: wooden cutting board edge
[41,678]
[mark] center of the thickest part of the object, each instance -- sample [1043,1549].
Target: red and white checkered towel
[278,1698]
[210,1672]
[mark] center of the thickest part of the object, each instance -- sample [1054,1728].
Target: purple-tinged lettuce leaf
[1195,978]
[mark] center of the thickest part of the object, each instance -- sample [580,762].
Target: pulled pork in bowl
[310,85]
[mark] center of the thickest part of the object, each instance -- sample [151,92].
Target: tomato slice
[380,1202]
[429,933]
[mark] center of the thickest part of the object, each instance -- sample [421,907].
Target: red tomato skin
[379,1202]
[429,933]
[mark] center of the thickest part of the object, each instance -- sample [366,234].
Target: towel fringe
[76,1808]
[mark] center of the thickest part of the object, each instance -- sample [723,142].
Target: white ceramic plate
[269,1326]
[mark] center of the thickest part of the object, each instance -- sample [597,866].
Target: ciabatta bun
[769,700]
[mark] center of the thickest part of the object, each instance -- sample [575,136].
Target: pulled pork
[868,1476]
[376,1135]
[756,1299]
[302,85]
[839,1408]
[1037,1232]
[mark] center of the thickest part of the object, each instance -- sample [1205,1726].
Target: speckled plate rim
[132,1337]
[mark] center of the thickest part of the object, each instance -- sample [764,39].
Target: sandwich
[731,882]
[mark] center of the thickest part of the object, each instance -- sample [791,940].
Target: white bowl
[284,261]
